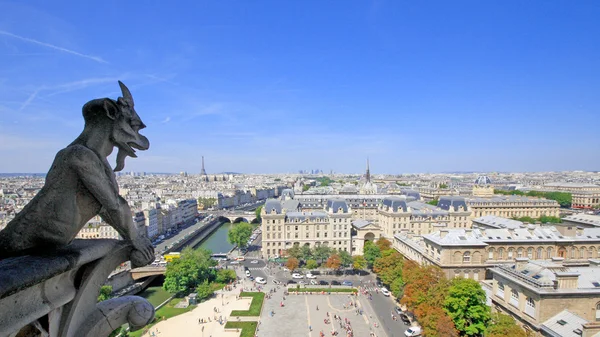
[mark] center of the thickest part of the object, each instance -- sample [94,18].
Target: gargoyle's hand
[143,252]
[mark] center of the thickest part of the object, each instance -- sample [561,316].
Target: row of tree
[443,307]
[195,271]
[564,199]
[542,219]
[312,258]
[205,203]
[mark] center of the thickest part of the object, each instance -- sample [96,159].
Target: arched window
[530,253]
[500,292]
[530,307]
[582,253]
[520,252]
[491,254]
[467,257]
[573,253]
[510,253]
[514,298]
[598,312]
[500,253]
[550,253]
[539,254]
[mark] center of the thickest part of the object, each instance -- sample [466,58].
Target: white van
[413,331]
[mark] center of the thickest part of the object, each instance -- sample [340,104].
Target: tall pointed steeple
[203,172]
[368,174]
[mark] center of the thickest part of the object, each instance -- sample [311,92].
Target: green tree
[397,288]
[433,202]
[305,188]
[240,234]
[225,275]
[257,213]
[105,293]
[321,253]
[371,252]
[204,290]
[389,267]
[311,264]
[205,203]
[443,186]
[359,262]
[502,326]
[345,258]
[295,252]
[465,304]
[550,219]
[306,253]
[186,272]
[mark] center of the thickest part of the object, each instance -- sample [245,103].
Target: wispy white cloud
[48,45]
[166,120]
[29,99]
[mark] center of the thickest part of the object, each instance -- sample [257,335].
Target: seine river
[217,241]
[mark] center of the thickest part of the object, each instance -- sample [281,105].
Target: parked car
[335,283]
[347,283]
[309,275]
[313,282]
[260,280]
[247,273]
[385,292]
[323,283]
[405,319]
[413,331]
[291,282]
[301,282]
[296,275]
[398,310]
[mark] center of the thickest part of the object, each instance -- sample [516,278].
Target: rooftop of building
[564,324]
[498,222]
[583,218]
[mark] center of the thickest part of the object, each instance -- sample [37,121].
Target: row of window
[541,253]
[514,300]
[335,227]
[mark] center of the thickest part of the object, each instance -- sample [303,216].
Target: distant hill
[22,174]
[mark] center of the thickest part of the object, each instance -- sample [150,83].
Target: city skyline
[465,86]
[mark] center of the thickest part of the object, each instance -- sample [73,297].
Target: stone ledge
[18,273]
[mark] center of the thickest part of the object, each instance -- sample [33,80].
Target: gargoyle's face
[126,137]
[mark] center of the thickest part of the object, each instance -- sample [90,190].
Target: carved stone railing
[57,293]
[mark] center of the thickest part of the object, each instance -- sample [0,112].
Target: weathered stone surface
[81,184]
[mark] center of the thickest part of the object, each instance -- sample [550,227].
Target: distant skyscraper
[203,172]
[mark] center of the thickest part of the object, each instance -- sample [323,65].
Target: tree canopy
[433,202]
[240,234]
[466,306]
[295,252]
[189,270]
[321,253]
[345,258]
[225,275]
[257,213]
[292,263]
[306,253]
[383,244]
[105,293]
[359,262]
[564,199]
[389,267]
[333,262]
[311,264]
[502,326]
[371,252]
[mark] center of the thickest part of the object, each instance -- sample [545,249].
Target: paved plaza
[300,312]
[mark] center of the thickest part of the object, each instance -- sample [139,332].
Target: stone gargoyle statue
[81,184]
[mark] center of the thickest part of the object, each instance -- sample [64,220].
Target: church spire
[368,174]
[203,172]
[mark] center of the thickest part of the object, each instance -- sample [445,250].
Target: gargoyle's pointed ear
[126,94]
[110,108]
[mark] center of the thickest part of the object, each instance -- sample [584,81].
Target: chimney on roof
[521,262]
[531,229]
[443,233]
[565,280]
[511,232]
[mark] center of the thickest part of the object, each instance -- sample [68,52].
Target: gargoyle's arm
[115,210]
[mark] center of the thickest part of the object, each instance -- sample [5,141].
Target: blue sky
[278,86]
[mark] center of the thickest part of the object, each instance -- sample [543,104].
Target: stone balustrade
[55,294]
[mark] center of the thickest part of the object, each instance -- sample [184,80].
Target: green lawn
[155,295]
[248,328]
[327,290]
[166,312]
[255,306]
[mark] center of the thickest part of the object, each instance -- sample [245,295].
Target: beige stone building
[585,196]
[549,298]
[471,252]
[582,220]
[507,206]
[96,228]
[284,225]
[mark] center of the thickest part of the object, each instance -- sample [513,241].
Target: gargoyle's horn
[126,94]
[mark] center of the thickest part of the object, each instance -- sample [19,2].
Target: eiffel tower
[203,172]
